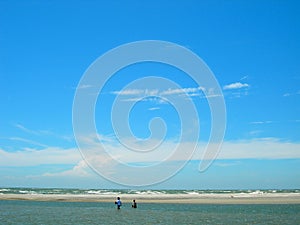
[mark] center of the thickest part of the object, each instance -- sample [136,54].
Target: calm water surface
[32,212]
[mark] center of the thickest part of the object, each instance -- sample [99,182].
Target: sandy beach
[291,198]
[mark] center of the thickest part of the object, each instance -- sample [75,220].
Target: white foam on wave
[149,192]
[4,189]
[192,193]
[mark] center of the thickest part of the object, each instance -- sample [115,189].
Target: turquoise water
[33,212]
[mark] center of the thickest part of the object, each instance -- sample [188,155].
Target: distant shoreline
[288,198]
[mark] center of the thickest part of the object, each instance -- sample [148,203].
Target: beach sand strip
[293,198]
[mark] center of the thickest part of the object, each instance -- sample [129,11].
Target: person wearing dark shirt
[134,205]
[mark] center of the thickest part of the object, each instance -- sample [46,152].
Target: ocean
[55,212]
[67,191]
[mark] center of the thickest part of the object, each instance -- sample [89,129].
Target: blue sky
[251,47]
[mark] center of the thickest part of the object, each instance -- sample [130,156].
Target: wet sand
[291,198]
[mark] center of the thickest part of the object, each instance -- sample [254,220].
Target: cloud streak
[160,96]
[288,94]
[28,141]
[236,85]
[263,122]
[156,92]
[26,130]
[40,133]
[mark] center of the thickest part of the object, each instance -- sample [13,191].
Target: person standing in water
[134,205]
[118,203]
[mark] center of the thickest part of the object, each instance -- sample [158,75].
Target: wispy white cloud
[160,96]
[295,121]
[245,77]
[137,99]
[129,92]
[154,108]
[263,148]
[255,132]
[155,99]
[81,169]
[41,133]
[28,141]
[288,94]
[236,85]
[262,122]
[227,164]
[84,86]
[26,130]
[156,92]
[182,91]
[272,121]
[33,157]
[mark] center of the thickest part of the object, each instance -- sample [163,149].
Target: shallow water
[32,212]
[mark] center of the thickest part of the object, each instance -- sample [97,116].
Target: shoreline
[291,198]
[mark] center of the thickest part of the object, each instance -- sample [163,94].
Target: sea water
[68,191]
[34,212]
[44,212]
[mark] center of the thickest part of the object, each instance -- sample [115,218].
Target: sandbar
[269,198]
